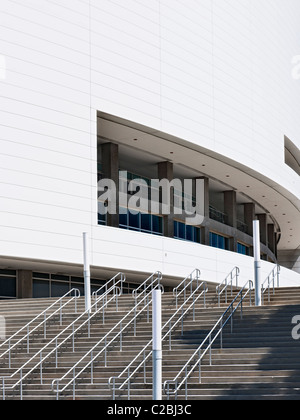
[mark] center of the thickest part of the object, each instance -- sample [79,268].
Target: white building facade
[198,89]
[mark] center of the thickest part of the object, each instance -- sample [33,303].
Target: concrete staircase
[258,361]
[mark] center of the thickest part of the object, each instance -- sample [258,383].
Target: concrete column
[205,226]
[110,168]
[233,244]
[230,208]
[271,237]
[263,228]
[249,216]
[24,284]
[206,196]
[165,171]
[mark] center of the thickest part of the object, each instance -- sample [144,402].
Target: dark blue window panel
[157,224]
[134,220]
[146,222]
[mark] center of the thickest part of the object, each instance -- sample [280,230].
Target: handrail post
[27,339]
[60,314]
[3,389]
[9,355]
[21,384]
[92,369]
[45,326]
[41,368]
[76,297]
[103,312]
[194,308]
[145,376]
[121,338]
[86,272]
[257,262]
[186,384]
[200,354]
[157,344]
[210,361]
[221,333]
[114,389]
[74,385]
[56,354]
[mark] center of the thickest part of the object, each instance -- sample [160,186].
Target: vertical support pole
[157,345]
[257,262]
[87,274]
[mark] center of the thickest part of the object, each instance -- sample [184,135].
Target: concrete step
[258,360]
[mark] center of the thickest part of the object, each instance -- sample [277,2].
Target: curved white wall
[217,74]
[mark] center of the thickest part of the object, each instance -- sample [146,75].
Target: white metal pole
[257,262]
[157,345]
[87,274]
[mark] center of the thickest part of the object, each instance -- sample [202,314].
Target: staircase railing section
[187,285]
[124,379]
[129,321]
[269,283]
[115,283]
[37,361]
[39,323]
[149,284]
[172,387]
[226,283]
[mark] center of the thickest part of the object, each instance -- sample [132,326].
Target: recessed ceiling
[136,141]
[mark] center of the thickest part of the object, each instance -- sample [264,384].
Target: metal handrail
[167,334]
[275,274]
[39,354]
[43,323]
[187,282]
[215,332]
[118,278]
[155,277]
[228,281]
[119,335]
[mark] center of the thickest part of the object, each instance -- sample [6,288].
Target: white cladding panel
[217,74]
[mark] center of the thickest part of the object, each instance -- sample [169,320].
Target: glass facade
[243,249]
[55,285]
[8,284]
[187,232]
[141,222]
[218,241]
[137,217]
